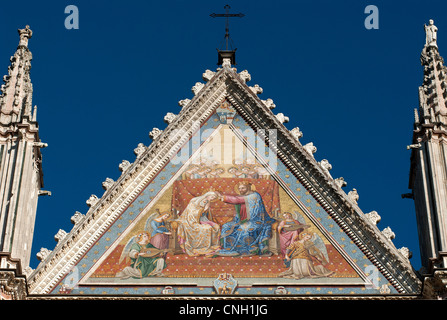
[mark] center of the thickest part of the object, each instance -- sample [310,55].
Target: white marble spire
[17,90]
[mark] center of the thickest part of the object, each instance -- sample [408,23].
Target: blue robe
[249,236]
[158,227]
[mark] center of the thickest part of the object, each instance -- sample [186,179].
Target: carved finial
[207,75]
[256,89]
[416,116]
[226,62]
[25,35]
[155,133]
[405,252]
[326,166]
[60,235]
[183,103]
[269,104]
[388,233]
[34,118]
[245,76]
[282,118]
[431,32]
[296,133]
[139,150]
[169,117]
[77,217]
[353,195]
[310,148]
[373,217]
[107,183]
[340,182]
[92,200]
[43,254]
[197,87]
[124,165]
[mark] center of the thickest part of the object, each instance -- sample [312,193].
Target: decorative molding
[340,182]
[107,184]
[435,285]
[77,217]
[197,87]
[225,84]
[282,118]
[353,195]
[256,89]
[208,75]
[92,200]
[269,104]
[245,76]
[373,217]
[296,133]
[155,133]
[226,63]
[345,213]
[124,165]
[12,280]
[405,252]
[126,189]
[310,148]
[139,150]
[60,235]
[43,254]
[169,117]
[326,166]
[11,286]
[389,234]
[183,103]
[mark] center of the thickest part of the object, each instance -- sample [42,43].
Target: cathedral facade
[225,202]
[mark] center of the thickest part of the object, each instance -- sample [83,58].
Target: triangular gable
[225,112]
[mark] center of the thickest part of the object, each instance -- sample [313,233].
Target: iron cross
[227,15]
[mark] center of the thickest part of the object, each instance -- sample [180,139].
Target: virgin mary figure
[197,233]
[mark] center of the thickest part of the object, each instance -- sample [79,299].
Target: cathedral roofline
[224,83]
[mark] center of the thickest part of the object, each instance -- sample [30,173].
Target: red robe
[237,200]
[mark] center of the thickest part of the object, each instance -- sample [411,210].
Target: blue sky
[101,88]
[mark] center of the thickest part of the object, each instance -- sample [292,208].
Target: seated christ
[250,229]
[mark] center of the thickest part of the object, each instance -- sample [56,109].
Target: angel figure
[305,258]
[191,172]
[216,173]
[261,171]
[233,171]
[156,227]
[290,226]
[146,260]
[203,171]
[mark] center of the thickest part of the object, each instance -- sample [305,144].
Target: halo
[236,187]
[210,189]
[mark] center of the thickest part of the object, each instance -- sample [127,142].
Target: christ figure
[251,227]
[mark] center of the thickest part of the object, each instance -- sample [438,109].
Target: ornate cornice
[12,281]
[216,298]
[224,84]
[375,245]
[435,285]
[134,178]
